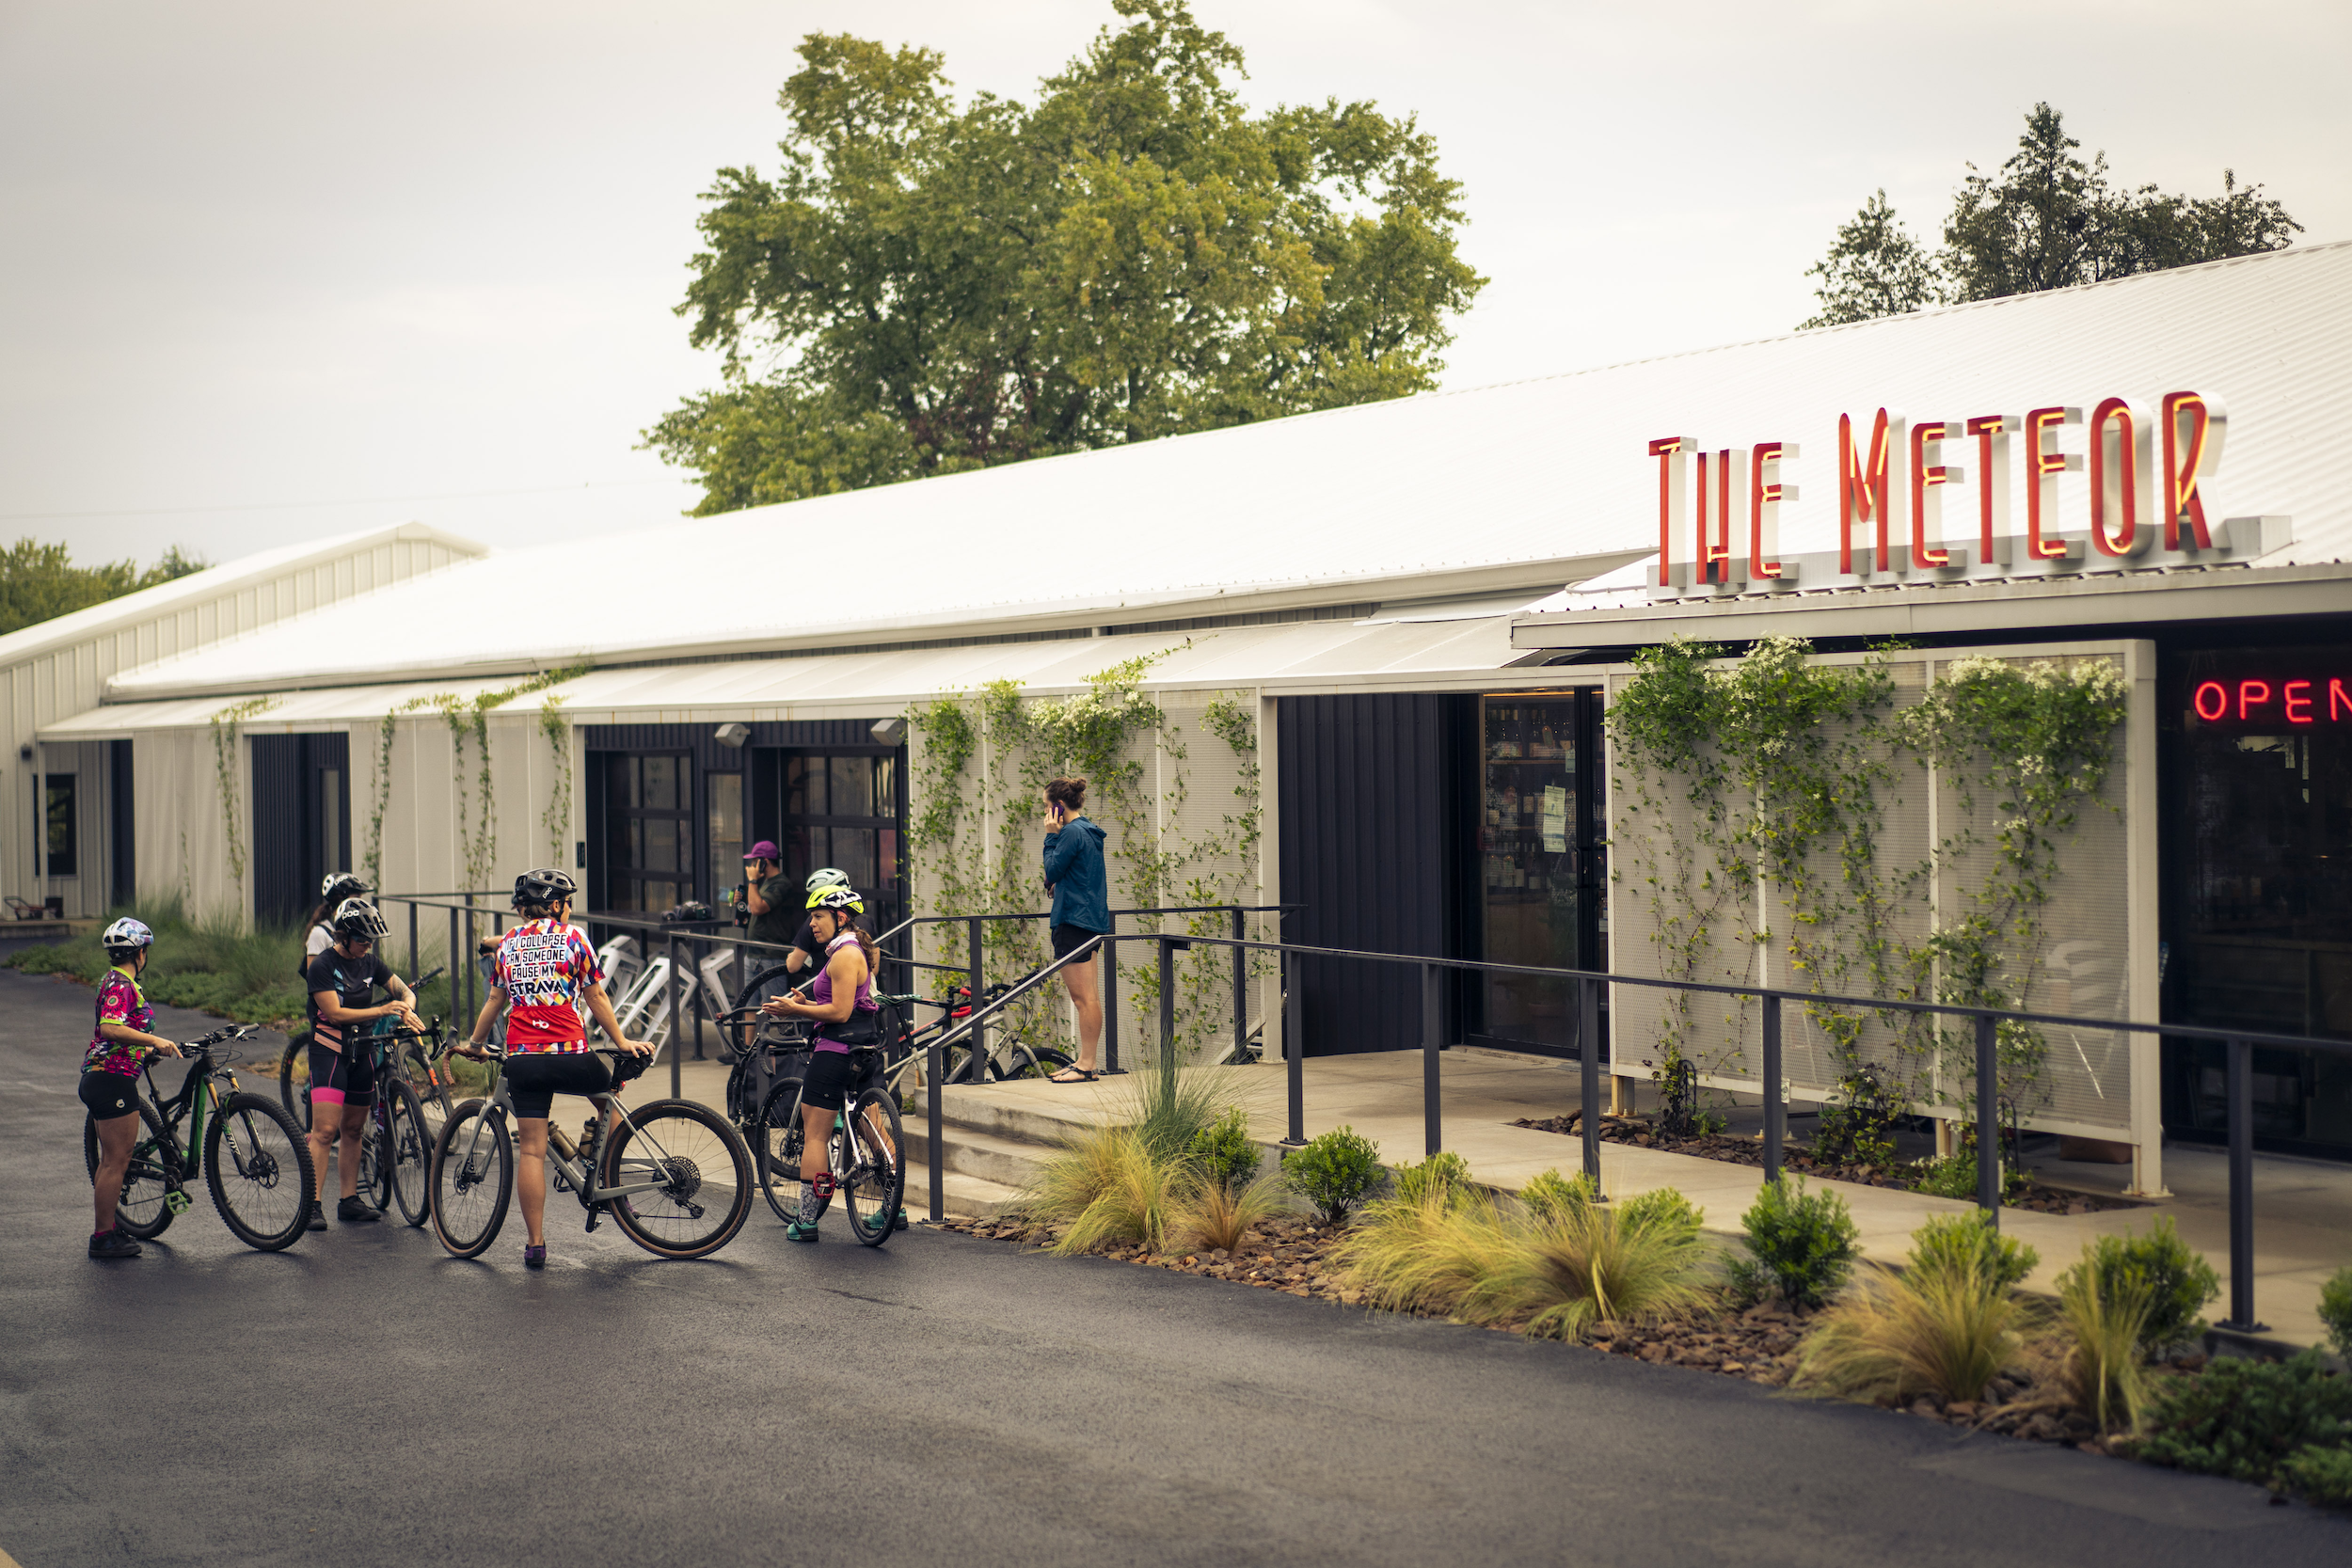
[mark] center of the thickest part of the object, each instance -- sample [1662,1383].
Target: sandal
[1084,1075]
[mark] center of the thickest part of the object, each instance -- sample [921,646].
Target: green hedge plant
[1441,1174]
[1801,1244]
[1224,1152]
[2335,1311]
[1334,1172]
[2252,1421]
[2176,1280]
[1549,1196]
[1950,1243]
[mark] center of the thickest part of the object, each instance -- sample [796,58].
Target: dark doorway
[301,820]
[842,807]
[649,831]
[122,842]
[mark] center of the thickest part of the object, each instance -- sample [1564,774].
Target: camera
[738,903]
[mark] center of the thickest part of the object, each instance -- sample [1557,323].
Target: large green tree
[40,582]
[928,285]
[2046,220]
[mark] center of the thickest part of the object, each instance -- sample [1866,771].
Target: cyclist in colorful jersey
[840,1002]
[545,970]
[110,1075]
[343,981]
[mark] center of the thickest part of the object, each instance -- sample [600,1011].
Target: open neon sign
[2267,704]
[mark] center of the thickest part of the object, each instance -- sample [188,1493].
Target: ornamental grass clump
[1947,1331]
[2099,1362]
[1639,1262]
[1127,1180]
[2176,1280]
[1427,1253]
[1215,1216]
[1440,1173]
[1555,1197]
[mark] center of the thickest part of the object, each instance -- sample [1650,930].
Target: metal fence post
[1775,1108]
[1989,1120]
[1109,1063]
[456,980]
[934,1064]
[1294,1047]
[972,1031]
[415,968]
[678,1089]
[1432,1015]
[1588,1046]
[1167,1003]
[2241,1084]
[1241,989]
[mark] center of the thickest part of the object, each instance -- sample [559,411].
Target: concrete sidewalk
[2303,1208]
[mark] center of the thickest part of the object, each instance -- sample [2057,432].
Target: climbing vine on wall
[556,818]
[1755,796]
[468,723]
[981,761]
[227,762]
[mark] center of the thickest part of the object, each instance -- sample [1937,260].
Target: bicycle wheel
[778,1153]
[140,1212]
[703,1171]
[1027,1061]
[408,1154]
[295,1099]
[263,1188]
[375,1169]
[474,1179]
[871,1164]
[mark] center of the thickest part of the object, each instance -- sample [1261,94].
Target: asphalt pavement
[363,1399]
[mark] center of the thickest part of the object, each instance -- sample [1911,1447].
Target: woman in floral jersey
[110,1075]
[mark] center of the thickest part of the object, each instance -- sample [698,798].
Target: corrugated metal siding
[1372,839]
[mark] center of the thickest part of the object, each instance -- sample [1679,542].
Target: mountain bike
[256,1160]
[866,1151]
[297,1102]
[396,1151]
[674,1176]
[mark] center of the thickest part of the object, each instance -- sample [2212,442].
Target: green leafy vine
[227,756]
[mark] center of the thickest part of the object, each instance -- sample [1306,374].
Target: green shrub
[1800,1244]
[2322,1475]
[1954,1176]
[1444,1174]
[1956,1243]
[1664,1211]
[2335,1311]
[1224,1152]
[2177,1280]
[1552,1197]
[1334,1172]
[2247,1419]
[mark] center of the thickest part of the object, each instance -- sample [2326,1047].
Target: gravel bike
[866,1151]
[674,1175]
[256,1160]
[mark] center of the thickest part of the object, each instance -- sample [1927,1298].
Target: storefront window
[843,811]
[1540,864]
[2258,923]
[60,834]
[726,831]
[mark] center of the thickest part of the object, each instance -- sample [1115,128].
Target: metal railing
[1986,1022]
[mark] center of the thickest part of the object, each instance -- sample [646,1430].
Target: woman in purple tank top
[840,1002]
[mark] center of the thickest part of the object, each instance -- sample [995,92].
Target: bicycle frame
[583,1180]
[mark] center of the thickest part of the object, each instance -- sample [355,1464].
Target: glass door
[1540,879]
[649,831]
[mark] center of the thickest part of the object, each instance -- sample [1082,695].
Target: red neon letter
[1927,515]
[2193,427]
[1992,431]
[1764,499]
[2118,460]
[2043,466]
[2249,693]
[2295,702]
[1668,449]
[1861,488]
[2221,708]
[2336,693]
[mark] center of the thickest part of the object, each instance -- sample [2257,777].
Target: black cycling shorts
[1068,939]
[548,1074]
[109,1095]
[339,1082]
[826,1085]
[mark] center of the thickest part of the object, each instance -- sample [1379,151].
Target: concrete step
[963,1198]
[1007,1162]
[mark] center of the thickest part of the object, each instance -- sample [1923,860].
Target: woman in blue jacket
[1082,912]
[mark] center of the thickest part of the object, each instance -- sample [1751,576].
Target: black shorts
[1068,939]
[109,1095]
[339,1082]
[534,1081]
[826,1084]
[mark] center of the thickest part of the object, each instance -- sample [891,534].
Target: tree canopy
[2047,220]
[38,582]
[927,286]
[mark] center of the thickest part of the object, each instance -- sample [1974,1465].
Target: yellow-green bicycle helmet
[837,899]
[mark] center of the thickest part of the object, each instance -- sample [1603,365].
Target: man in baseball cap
[775,912]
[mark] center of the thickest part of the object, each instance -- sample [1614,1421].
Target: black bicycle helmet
[544,886]
[339,885]
[356,917]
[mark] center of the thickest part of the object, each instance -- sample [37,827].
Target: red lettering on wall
[2248,694]
[1861,488]
[2043,466]
[2220,706]
[2294,703]
[1764,499]
[2188,422]
[1668,449]
[2336,693]
[2115,480]
[1926,474]
[1992,431]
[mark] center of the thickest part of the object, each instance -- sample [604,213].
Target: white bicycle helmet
[126,936]
[823,877]
[339,885]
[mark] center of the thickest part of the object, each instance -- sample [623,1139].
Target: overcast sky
[260,257]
